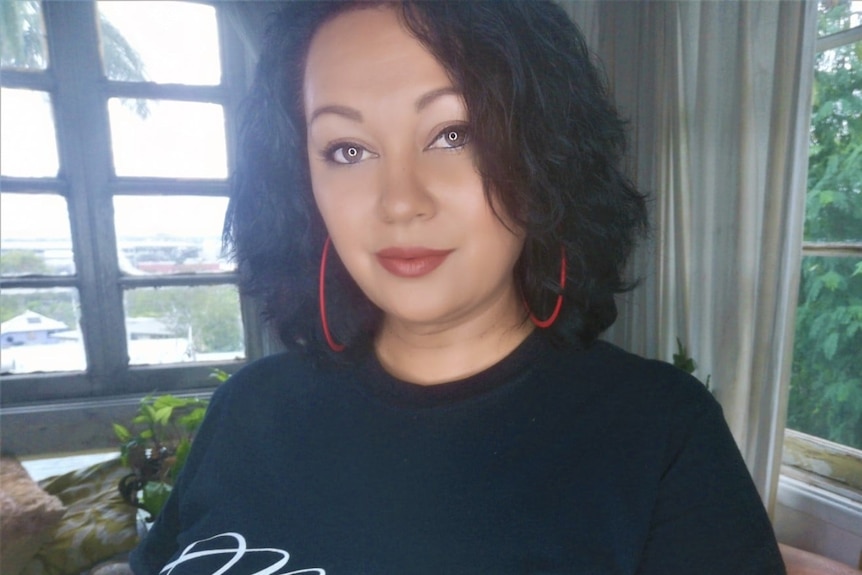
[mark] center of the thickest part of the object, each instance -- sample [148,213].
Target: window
[825,407]
[113,170]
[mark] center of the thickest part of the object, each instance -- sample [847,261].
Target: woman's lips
[411,262]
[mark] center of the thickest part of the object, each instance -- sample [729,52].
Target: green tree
[22,46]
[21,43]
[826,385]
[22,262]
[210,313]
[59,304]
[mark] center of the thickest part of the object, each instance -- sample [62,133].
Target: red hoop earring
[332,343]
[559,305]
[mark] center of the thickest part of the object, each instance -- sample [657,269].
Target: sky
[178,43]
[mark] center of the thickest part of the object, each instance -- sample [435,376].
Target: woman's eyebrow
[355,115]
[344,111]
[429,97]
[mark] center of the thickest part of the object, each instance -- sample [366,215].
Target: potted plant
[156,447]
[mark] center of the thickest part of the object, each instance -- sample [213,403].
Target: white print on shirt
[239,549]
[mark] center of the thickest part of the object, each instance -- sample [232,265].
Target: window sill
[823,464]
[52,429]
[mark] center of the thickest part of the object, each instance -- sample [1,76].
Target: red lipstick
[411,262]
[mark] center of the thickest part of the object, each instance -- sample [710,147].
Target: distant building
[35,343]
[147,328]
[32,343]
[31,328]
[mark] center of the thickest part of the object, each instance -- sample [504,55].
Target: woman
[430,205]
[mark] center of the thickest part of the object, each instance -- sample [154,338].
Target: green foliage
[826,382]
[60,304]
[211,313]
[682,360]
[834,201]
[219,375]
[22,46]
[22,262]
[21,31]
[158,447]
[155,495]
[685,362]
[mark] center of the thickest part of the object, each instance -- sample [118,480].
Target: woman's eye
[451,137]
[347,154]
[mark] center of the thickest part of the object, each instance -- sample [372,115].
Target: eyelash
[445,133]
[444,137]
[330,153]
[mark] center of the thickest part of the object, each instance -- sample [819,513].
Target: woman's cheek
[344,193]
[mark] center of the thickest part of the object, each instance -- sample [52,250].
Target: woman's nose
[404,195]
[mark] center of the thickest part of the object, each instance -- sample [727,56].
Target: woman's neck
[430,355]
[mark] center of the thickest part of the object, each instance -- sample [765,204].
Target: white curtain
[719,97]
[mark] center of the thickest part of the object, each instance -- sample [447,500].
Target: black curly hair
[548,139]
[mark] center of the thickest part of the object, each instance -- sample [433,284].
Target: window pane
[164,42]
[40,331]
[35,237]
[837,15]
[826,382]
[179,324]
[27,144]
[170,139]
[833,209]
[170,234]
[22,42]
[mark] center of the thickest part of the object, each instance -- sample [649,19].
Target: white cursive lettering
[238,550]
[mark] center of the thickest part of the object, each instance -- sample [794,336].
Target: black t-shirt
[553,461]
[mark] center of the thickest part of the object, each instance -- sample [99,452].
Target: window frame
[815,461]
[80,92]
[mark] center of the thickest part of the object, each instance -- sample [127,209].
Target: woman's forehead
[369,52]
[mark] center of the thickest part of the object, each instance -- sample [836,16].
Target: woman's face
[394,176]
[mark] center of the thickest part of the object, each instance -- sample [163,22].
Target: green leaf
[833,280]
[155,495]
[168,401]
[830,345]
[193,420]
[149,412]
[122,433]
[163,415]
[181,456]
[682,360]
[219,375]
